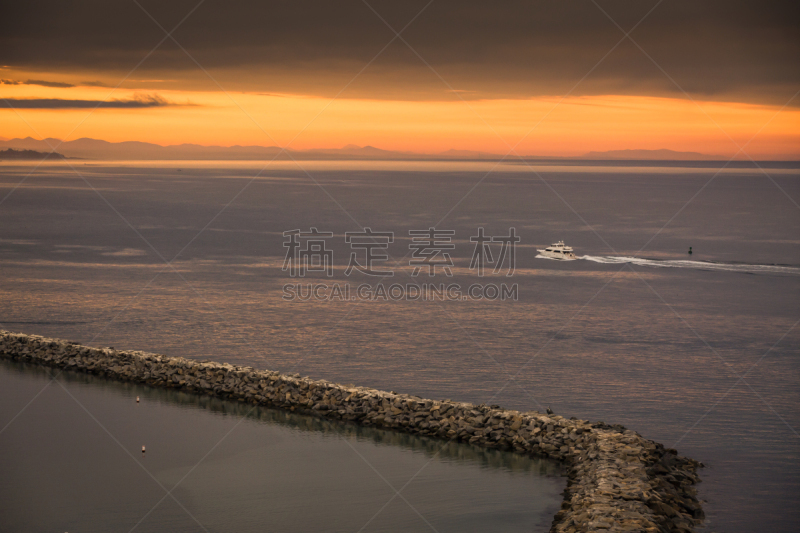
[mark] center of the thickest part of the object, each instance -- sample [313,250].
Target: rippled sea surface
[698,352]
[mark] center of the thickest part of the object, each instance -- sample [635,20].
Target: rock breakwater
[617,480]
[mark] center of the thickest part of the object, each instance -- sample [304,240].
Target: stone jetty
[616,479]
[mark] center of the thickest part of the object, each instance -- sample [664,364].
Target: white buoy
[137,399]
[142,448]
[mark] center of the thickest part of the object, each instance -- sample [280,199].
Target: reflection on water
[272,470]
[659,350]
[551,165]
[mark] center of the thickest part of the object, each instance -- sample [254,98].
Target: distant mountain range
[97,149]
[28,155]
[653,155]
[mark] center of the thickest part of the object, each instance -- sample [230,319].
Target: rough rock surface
[617,480]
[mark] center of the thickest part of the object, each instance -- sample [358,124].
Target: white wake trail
[696,265]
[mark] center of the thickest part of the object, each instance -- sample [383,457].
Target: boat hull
[560,256]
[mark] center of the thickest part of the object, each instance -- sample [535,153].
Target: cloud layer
[723,49]
[58,103]
[43,83]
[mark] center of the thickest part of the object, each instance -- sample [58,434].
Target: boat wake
[559,259]
[696,265]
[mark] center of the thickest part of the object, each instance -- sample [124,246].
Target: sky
[531,78]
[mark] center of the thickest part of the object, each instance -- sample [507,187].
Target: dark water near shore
[266,470]
[658,343]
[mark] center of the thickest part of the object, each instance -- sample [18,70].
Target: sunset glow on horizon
[557,82]
[542,126]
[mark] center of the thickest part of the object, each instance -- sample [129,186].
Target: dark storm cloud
[747,50]
[58,103]
[43,83]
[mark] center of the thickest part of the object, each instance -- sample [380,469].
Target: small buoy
[690,250]
[142,448]
[137,399]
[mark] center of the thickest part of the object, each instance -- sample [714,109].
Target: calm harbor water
[697,352]
[274,471]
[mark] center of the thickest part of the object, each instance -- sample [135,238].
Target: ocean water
[697,352]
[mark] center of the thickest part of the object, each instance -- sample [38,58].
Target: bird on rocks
[549,411]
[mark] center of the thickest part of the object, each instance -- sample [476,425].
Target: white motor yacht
[558,251]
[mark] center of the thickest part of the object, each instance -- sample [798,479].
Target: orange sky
[573,126]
